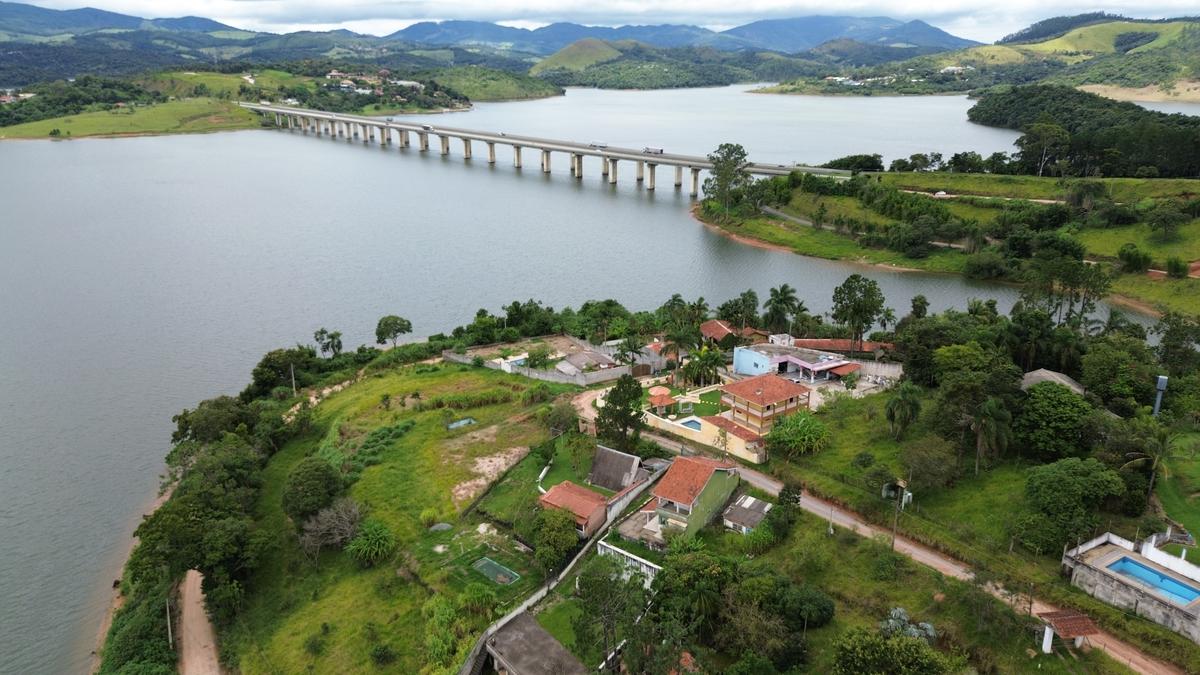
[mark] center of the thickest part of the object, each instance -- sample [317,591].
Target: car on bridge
[652,151]
[597,145]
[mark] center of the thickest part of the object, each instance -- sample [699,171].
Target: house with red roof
[755,403]
[693,491]
[587,507]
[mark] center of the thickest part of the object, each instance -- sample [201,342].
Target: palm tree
[903,408]
[992,426]
[780,306]
[1158,449]
[627,351]
[704,365]
[678,341]
[887,317]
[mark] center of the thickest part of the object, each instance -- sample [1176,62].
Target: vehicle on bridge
[427,127]
[652,151]
[597,145]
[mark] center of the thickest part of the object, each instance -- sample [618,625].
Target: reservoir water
[142,275]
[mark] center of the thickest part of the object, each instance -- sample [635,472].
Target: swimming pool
[692,424]
[1166,586]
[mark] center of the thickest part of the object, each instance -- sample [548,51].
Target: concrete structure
[1097,567]
[584,362]
[798,363]
[633,564]
[715,431]
[758,402]
[522,647]
[587,507]
[1068,625]
[744,514]
[365,126]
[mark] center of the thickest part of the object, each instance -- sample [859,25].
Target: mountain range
[31,24]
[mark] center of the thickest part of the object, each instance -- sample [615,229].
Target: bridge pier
[641,171]
[545,161]
[466,148]
[678,176]
[652,167]
[404,138]
[604,166]
[385,136]
[695,182]
[578,167]
[491,152]
[517,156]
[423,141]
[445,143]
[369,137]
[612,171]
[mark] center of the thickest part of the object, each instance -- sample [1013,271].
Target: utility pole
[292,367]
[170,638]
[902,487]
[1159,387]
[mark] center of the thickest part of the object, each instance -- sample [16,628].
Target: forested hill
[1090,134]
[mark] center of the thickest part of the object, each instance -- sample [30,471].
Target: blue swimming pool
[1166,586]
[691,424]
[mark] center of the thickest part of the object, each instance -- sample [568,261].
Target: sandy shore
[1184,91]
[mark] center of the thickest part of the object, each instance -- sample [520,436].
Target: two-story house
[757,402]
[693,491]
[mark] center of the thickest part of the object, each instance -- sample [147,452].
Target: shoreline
[116,598]
[1116,300]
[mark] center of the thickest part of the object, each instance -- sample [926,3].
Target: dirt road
[197,640]
[1122,652]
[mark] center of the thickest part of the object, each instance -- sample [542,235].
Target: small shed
[745,514]
[661,402]
[1068,625]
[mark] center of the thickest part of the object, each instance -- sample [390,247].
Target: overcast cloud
[983,20]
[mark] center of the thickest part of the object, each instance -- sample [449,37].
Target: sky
[983,20]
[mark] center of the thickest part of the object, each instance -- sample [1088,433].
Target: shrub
[372,544]
[477,361]
[863,460]
[798,434]
[315,644]
[334,525]
[1133,259]
[1177,268]
[429,517]
[554,539]
[310,487]
[985,265]
[382,655]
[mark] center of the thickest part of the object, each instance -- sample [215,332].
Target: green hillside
[484,84]
[1101,38]
[577,56]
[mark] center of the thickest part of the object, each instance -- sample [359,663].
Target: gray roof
[582,360]
[1043,375]
[747,511]
[527,649]
[612,469]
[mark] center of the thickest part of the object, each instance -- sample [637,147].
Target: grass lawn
[183,83]
[1106,242]
[1032,187]
[185,116]
[495,85]
[833,246]
[806,205]
[291,600]
[1179,487]
[518,490]
[1180,295]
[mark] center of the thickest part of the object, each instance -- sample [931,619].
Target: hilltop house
[692,492]
[587,507]
[757,402]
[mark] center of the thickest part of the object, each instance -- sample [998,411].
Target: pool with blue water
[1166,586]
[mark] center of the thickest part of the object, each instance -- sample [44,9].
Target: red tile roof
[662,401]
[845,369]
[1069,624]
[686,478]
[841,345]
[765,389]
[716,329]
[578,500]
[732,427]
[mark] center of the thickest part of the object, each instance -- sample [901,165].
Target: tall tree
[728,174]
[857,304]
[992,427]
[680,340]
[610,603]
[391,327]
[1042,144]
[620,420]
[1157,449]
[903,408]
[781,304]
[628,350]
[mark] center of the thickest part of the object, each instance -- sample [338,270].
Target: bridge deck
[539,143]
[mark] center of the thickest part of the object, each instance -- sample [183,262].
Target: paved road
[1120,651]
[197,639]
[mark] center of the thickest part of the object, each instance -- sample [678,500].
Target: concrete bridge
[645,161]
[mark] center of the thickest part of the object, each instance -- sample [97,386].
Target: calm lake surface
[142,275]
